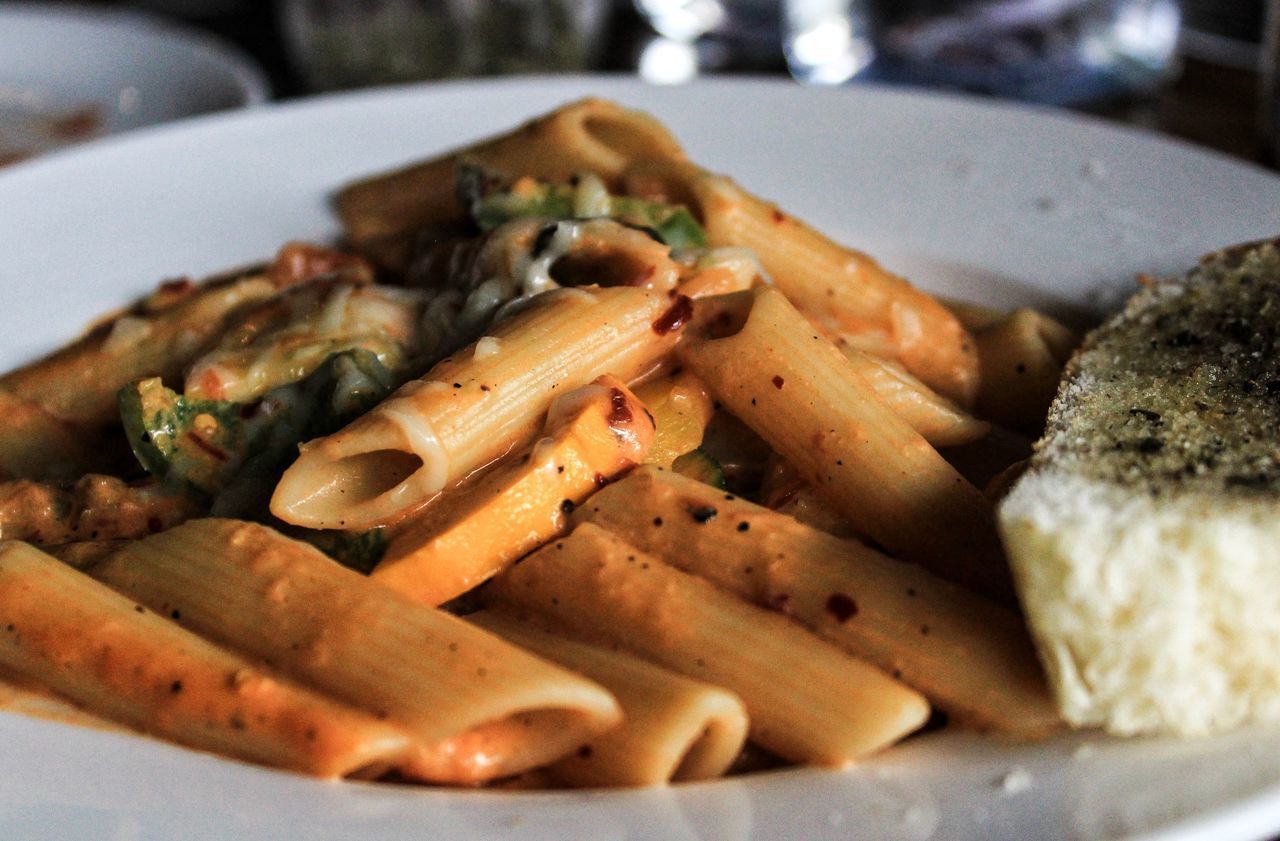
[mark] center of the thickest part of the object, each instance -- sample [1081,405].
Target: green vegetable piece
[493,201]
[698,464]
[232,453]
[361,550]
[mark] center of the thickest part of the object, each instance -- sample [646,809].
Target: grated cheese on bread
[1145,536]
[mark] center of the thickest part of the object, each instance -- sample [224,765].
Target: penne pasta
[1022,355]
[464,538]
[674,729]
[971,657]
[476,406]
[842,288]
[78,383]
[798,392]
[939,421]
[807,700]
[35,444]
[713,477]
[26,698]
[62,630]
[475,707]
[591,135]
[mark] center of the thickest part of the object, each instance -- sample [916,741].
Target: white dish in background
[978,200]
[70,73]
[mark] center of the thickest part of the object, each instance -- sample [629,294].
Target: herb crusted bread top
[1180,393]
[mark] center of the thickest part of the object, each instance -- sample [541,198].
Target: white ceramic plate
[71,73]
[991,202]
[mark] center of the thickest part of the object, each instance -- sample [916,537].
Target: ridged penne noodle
[92,508]
[26,698]
[591,135]
[973,316]
[79,382]
[467,536]
[971,657]
[841,287]
[63,630]
[1022,355]
[475,707]
[286,337]
[939,421]
[161,334]
[722,271]
[673,729]
[475,406]
[35,444]
[797,391]
[808,701]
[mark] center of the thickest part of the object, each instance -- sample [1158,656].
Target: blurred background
[1202,70]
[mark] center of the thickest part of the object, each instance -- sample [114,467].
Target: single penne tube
[681,408]
[939,420]
[163,333]
[35,444]
[807,700]
[674,729]
[843,288]
[591,135]
[475,406]
[26,698]
[79,382]
[470,534]
[1022,356]
[991,455]
[798,392]
[474,706]
[62,630]
[971,657]
[973,316]
[720,271]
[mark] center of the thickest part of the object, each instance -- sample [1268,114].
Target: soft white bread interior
[1145,536]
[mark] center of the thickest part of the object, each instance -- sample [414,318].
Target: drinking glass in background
[356,43]
[1056,52]
[1269,86]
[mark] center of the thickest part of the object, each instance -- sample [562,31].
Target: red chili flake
[841,607]
[620,410]
[177,286]
[777,382]
[213,451]
[779,216]
[676,316]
